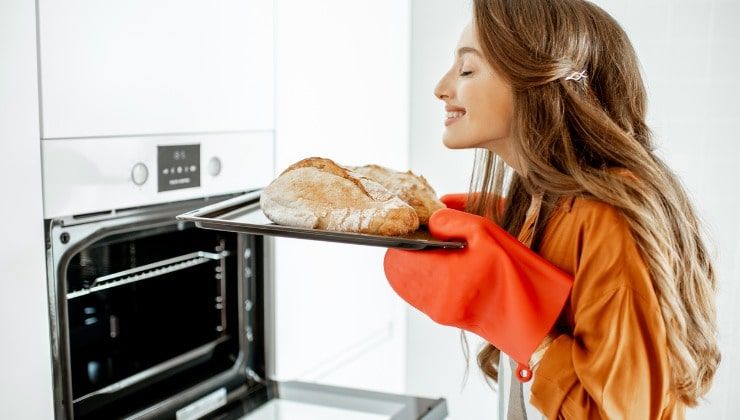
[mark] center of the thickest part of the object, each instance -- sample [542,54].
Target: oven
[152,317]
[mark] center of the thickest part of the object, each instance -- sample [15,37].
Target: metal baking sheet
[243,214]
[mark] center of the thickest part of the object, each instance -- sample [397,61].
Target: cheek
[492,114]
[503,110]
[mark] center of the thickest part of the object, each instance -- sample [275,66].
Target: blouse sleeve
[614,363]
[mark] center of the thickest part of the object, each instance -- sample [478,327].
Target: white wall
[690,52]
[436,27]
[25,388]
[342,93]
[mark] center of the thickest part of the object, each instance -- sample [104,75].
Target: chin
[450,144]
[457,143]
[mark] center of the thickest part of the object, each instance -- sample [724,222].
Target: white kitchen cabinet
[141,67]
[25,354]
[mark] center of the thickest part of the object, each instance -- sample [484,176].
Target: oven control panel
[86,176]
[178,166]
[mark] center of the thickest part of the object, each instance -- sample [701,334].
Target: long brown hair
[571,135]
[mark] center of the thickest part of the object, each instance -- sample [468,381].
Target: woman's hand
[494,287]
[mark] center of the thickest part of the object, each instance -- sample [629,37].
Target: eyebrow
[465,50]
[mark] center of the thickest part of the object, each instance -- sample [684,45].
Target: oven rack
[148,271]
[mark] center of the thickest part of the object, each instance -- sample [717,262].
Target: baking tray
[243,214]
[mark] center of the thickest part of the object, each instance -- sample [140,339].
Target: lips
[453,114]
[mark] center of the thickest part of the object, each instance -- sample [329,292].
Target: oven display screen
[178,167]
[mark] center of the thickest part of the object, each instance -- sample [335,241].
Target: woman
[605,298]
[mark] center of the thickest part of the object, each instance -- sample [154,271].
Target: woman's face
[478,102]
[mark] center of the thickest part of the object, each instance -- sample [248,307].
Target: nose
[439,92]
[442,91]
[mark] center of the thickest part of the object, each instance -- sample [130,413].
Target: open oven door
[311,401]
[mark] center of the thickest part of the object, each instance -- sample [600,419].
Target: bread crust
[317,193]
[409,187]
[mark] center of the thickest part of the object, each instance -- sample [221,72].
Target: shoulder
[584,231]
[588,217]
[594,241]
[583,207]
[594,212]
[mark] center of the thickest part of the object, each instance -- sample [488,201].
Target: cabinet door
[111,68]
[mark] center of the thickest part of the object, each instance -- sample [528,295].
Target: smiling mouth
[453,116]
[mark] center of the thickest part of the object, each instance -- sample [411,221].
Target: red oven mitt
[455,201]
[495,287]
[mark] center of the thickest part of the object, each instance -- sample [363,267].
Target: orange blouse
[609,354]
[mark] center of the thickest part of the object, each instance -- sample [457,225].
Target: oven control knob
[139,174]
[214,166]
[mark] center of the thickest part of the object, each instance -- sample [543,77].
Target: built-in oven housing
[152,317]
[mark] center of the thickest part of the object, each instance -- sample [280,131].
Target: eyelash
[466,73]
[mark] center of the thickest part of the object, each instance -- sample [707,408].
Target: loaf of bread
[413,189]
[319,194]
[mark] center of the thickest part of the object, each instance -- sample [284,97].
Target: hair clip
[576,76]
